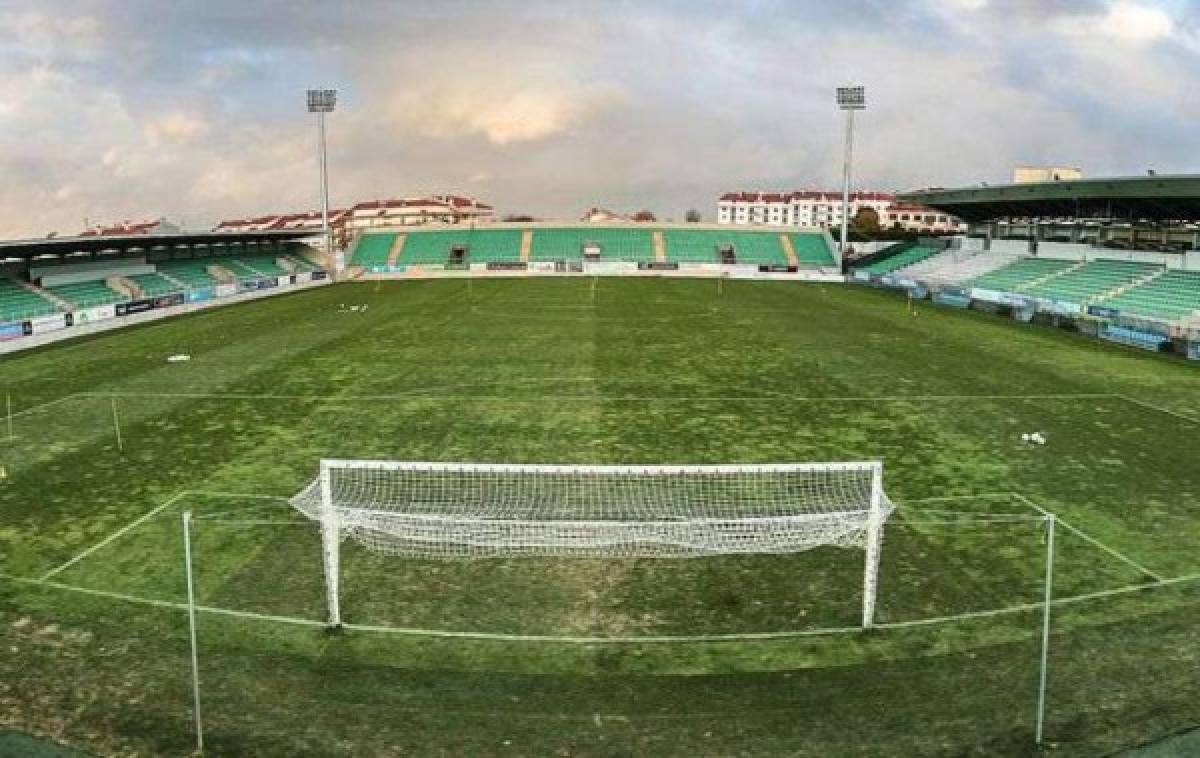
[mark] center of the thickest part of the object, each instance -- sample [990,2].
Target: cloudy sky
[115,109]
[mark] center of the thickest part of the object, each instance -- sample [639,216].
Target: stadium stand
[191,273]
[300,263]
[954,266]
[261,265]
[615,244]
[87,294]
[1021,272]
[908,256]
[153,285]
[702,246]
[1172,296]
[372,250]
[812,250]
[481,246]
[17,303]
[1090,281]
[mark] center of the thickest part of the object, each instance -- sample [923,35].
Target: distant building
[1032,174]
[822,209]
[921,219]
[601,216]
[372,214]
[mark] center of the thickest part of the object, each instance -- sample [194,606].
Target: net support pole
[873,547]
[1047,599]
[8,414]
[330,545]
[191,608]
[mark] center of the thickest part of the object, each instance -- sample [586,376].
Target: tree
[644,216]
[692,216]
[866,220]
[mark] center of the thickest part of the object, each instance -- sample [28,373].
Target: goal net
[465,510]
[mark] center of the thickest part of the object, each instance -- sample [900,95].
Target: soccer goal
[470,510]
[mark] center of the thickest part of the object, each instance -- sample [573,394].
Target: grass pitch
[608,371]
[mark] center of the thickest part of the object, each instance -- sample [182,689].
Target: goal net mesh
[472,510]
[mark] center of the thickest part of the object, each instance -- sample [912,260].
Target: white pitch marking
[1160,409]
[115,535]
[1092,540]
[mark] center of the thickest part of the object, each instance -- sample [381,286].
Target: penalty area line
[1160,409]
[1092,540]
[115,535]
[829,631]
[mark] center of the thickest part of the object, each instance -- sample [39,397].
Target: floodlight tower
[320,102]
[849,99]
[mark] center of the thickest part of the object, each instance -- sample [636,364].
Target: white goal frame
[864,522]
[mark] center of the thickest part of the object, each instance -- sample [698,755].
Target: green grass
[653,371]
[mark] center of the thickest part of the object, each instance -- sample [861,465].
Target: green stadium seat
[907,255]
[482,246]
[87,294]
[1019,273]
[18,303]
[631,245]
[372,250]
[701,246]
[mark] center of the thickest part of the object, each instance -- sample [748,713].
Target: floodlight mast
[849,99]
[320,102]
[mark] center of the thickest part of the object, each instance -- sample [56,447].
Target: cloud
[521,113]
[177,127]
[1137,23]
[552,106]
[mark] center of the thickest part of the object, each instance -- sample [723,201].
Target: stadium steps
[300,264]
[396,250]
[660,246]
[221,272]
[1092,280]
[153,285]
[125,285]
[811,249]
[526,244]
[178,283]
[1173,296]
[901,260]
[20,300]
[1050,277]
[87,294]
[955,267]
[59,302]
[1118,291]
[789,250]
[371,249]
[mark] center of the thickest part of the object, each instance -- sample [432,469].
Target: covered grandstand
[53,288]
[1116,258]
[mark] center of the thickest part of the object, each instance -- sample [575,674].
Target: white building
[437,209]
[823,210]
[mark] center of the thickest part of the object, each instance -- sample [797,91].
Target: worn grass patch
[634,371]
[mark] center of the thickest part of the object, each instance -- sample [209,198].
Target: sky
[194,111]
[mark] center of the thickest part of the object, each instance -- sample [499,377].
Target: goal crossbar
[466,510]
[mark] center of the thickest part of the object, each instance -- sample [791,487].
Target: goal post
[473,510]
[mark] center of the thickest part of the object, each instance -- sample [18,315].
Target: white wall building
[823,210]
